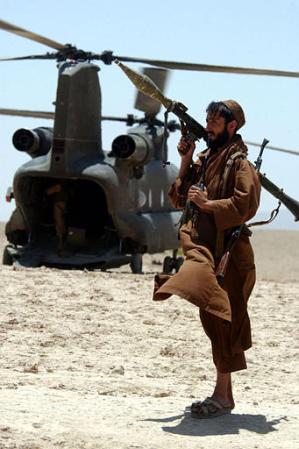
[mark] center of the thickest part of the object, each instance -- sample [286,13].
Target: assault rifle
[222,265]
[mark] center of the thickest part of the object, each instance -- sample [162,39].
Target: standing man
[228,197]
[58,194]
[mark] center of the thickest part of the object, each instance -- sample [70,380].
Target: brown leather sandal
[209,408]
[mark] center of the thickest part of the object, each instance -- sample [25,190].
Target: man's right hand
[186,146]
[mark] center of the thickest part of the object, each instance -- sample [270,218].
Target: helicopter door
[84,203]
[87,211]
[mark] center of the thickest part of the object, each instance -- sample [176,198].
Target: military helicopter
[78,205]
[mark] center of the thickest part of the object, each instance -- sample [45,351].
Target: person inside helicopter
[57,193]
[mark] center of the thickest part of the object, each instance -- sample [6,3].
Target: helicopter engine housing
[135,148]
[35,142]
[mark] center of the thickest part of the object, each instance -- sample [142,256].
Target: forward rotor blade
[29,35]
[25,113]
[209,68]
[31,57]
[283,150]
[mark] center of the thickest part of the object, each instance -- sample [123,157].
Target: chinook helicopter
[78,205]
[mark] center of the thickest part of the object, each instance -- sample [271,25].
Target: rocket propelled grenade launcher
[149,88]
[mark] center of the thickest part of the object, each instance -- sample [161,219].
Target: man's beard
[220,140]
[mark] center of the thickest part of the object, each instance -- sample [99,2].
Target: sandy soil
[89,361]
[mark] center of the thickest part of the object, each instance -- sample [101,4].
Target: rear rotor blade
[25,113]
[209,68]
[51,115]
[283,150]
[29,35]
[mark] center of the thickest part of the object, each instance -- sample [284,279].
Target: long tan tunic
[196,280]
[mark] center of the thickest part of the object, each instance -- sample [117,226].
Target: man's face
[217,131]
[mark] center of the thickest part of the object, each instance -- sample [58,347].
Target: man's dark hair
[217,107]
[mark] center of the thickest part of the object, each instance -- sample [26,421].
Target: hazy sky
[257,33]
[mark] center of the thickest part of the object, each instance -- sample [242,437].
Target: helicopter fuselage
[116,203]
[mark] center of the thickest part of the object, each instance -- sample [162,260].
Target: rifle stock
[222,265]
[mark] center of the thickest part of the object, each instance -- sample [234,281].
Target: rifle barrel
[278,193]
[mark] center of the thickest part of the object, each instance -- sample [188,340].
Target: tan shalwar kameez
[223,304]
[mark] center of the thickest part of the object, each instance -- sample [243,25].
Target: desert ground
[89,361]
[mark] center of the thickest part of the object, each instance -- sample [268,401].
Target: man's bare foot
[223,390]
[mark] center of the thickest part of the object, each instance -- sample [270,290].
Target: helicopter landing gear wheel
[178,263]
[172,263]
[136,263]
[7,258]
[167,265]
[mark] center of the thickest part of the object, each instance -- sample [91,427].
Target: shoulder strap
[228,166]
[229,163]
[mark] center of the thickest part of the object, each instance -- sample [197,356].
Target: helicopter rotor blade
[209,68]
[130,118]
[31,57]
[26,113]
[107,57]
[269,147]
[51,115]
[30,35]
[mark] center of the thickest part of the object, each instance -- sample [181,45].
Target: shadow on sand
[222,425]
